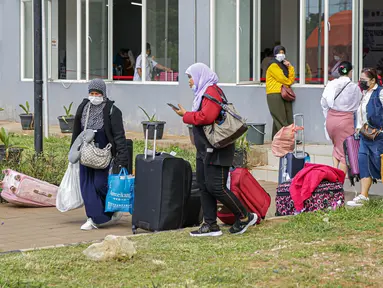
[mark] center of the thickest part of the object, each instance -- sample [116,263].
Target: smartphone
[171,105]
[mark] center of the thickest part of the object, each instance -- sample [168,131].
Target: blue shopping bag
[120,197]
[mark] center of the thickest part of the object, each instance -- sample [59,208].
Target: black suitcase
[193,210]
[292,163]
[162,189]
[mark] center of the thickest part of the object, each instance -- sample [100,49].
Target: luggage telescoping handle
[299,154]
[147,139]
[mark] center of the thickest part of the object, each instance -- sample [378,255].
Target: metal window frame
[143,41]
[361,38]
[22,40]
[255,21]
[357,40]
[326,40]
[302,42]
[212,34]
[48,29]
[79,48]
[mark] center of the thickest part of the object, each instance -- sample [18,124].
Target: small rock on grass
[113,247]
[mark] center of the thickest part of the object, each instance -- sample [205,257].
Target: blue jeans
[369,157]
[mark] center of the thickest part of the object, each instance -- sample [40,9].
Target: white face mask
[280,57]
[336,58]
[96,100]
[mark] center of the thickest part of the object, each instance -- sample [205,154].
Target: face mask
[336,58]
[194,88]
[364,85]
[280,57]
[96,100]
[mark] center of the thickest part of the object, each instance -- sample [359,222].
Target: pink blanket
[308,179]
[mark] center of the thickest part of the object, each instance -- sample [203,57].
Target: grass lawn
[342,248]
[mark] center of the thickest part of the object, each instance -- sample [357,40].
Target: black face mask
[364,85]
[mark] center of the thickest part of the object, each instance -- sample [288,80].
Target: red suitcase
[351,150]
[249,192]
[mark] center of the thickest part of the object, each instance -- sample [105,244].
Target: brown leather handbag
[287,93]
[369,132]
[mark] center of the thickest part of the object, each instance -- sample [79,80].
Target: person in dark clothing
[212,164]
[106,120]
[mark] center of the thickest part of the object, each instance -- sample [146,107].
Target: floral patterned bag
[327,196]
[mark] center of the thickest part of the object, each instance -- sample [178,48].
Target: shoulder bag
[369,132]
[229,129]
[91,156]
[287,93]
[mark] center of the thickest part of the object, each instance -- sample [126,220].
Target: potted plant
[152,121]
[27,119]
[9,151]
[66,121]
[242,148]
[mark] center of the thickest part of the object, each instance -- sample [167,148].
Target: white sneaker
[358,201]
[89,225]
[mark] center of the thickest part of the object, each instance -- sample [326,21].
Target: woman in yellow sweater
[280,72]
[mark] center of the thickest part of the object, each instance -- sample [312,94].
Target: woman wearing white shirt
[370,111]
[340,100]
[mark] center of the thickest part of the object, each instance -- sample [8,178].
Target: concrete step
[261,155]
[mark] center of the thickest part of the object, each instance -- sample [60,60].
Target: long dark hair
[371,74]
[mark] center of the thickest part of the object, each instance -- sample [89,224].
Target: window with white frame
[105,39]
[241,29]
[235,42]
[27,36]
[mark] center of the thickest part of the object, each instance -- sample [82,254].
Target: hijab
[203,77]
[280,64]
[96,116]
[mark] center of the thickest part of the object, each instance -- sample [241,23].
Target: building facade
[85,39]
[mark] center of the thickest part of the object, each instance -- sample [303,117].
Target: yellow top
[275,78]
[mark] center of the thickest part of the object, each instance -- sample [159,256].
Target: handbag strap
[223,106]
[341,90]
[87,118]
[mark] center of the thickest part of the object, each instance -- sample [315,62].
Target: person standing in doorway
[280,72]
[150,65]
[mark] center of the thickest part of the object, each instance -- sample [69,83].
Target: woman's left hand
[180,111]
[287,63]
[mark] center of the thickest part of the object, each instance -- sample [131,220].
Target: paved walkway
[25,228]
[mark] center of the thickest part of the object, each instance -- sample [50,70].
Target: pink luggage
[351,150]
[26,191]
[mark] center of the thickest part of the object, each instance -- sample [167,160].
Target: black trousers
[212,181]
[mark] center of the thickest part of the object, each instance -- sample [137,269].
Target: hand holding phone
[174,107]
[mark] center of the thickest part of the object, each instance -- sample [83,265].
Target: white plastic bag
[69,193]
